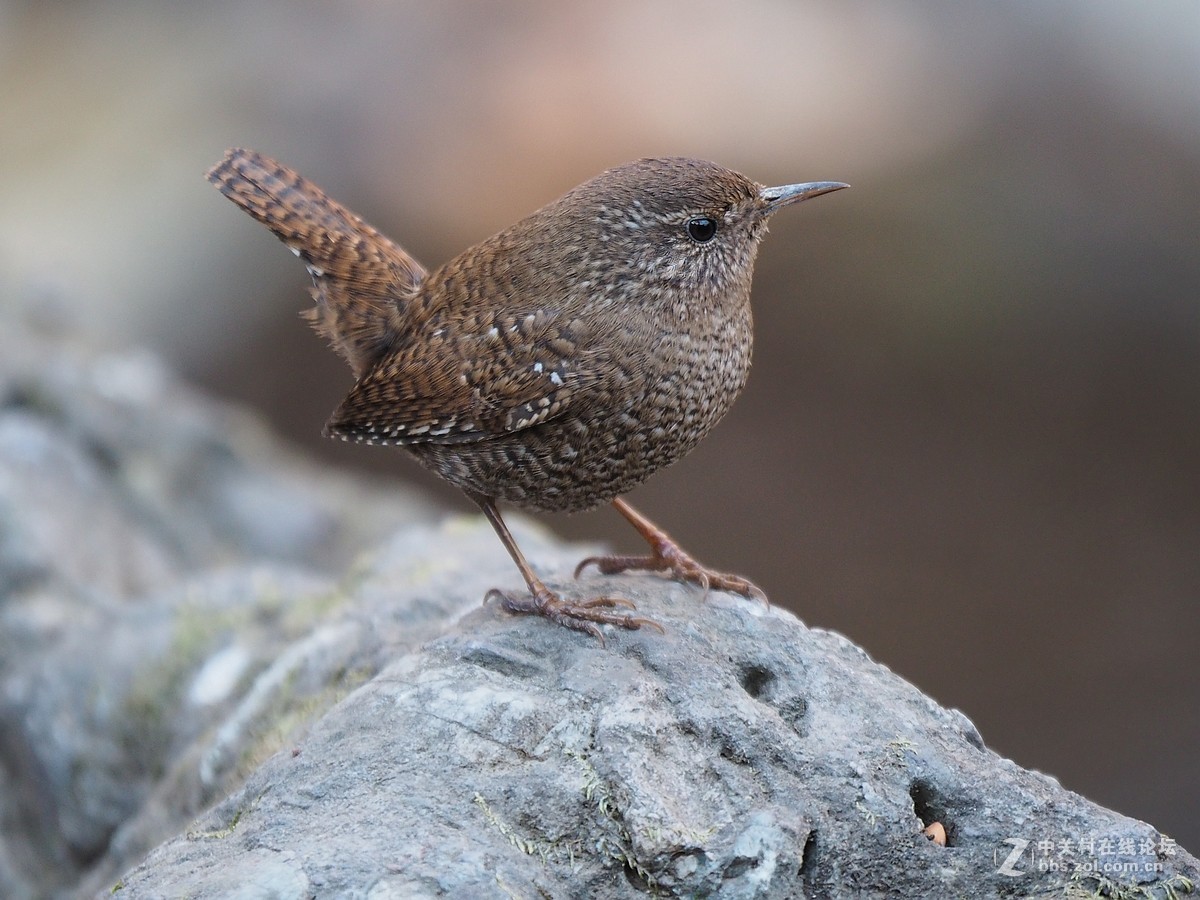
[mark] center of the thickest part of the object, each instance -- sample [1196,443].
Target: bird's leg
[581,615]
[668,556]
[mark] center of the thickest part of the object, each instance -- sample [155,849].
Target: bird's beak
[776,198]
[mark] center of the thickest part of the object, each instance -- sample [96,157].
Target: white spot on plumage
[493,332]
[537,367]
[556,379]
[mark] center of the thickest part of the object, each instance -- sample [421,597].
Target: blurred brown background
[971,440]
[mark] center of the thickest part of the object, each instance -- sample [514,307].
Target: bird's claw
[580,615]
[670,559]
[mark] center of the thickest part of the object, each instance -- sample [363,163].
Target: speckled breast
[606,446]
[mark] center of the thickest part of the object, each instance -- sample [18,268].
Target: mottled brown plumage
[555,365]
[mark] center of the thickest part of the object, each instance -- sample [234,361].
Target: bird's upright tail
[361,279]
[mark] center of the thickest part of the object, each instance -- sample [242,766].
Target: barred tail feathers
[361,279]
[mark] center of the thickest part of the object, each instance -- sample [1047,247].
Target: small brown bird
[555,365]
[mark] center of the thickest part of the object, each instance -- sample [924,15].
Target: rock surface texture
[190,617]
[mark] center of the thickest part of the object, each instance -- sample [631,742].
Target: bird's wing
[470,381]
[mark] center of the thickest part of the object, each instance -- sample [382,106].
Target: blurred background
[971,438]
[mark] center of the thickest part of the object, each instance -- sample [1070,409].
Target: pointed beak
[776,198]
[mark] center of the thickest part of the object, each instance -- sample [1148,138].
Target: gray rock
[191,616]
[739,755]
[142,528]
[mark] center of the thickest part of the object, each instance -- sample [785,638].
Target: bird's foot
[580,615]
[667,556]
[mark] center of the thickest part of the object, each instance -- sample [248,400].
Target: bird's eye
[701,229]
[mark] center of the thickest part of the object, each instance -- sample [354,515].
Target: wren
[555,365]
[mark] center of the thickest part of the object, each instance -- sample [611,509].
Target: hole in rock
[757,680]
[808,858]
[638,880]
[930,807]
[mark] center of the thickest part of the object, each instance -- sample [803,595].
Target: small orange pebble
[936,832]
